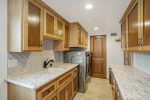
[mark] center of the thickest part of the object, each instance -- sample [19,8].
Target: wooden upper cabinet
[48,23]
[133,25]
[63,45]
[25,30]
[145,15]
[53,27]
[66,40]
[77,37]
[123,35]
[60,28]
[85,37]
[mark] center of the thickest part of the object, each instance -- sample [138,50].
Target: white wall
[3,49]
[114,52]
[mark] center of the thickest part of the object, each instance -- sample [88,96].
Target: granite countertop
[36,79]
[134,84]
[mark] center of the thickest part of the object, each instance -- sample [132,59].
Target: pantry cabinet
[137,28]
[78,36]
[25,28]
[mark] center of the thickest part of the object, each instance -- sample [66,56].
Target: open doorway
[98,50]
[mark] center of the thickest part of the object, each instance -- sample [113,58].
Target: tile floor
[99,89]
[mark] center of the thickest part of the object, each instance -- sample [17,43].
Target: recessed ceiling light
[96,28]
[89,6]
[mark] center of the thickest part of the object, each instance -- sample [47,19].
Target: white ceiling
[105,14]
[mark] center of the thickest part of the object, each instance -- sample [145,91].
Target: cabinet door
[59,30]
[52,97]
[33,30]
[61,94]
[146,19]
[123,35]
[133,27]
[84,38]
[79,36]
[48,23]
[66,40]
[69,93]
[75,84]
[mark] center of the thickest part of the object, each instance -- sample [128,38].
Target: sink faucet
[45,63]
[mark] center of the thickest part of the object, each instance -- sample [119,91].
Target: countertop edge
[38,86]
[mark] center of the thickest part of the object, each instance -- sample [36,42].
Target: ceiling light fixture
[89,6]
[96,28]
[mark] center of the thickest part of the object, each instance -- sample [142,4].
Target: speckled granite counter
[133,83]
[37,78]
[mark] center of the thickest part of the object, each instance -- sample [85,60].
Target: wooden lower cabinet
[52,97]
[75,84]
[61,94]
[115,89]
[65,93]
[62,88]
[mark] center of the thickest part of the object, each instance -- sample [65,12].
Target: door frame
[105,53]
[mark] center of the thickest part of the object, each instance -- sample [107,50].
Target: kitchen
[74,50]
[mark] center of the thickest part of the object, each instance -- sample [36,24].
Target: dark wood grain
[98,49]
[133,27]
[34,25]
[146,16]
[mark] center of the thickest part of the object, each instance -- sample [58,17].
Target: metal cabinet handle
[41,43]
[139,44]
[141,41]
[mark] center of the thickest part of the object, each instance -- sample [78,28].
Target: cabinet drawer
[75,71]
[64,79]
[47,91]
[52,97]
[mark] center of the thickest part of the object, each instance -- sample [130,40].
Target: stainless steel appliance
[84,60]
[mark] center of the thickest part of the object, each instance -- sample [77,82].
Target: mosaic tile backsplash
[142,61]
[33,60]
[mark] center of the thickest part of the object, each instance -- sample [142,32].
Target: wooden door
[146,25]
[33,32]
[98,49]
[133,27]
[123,35]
